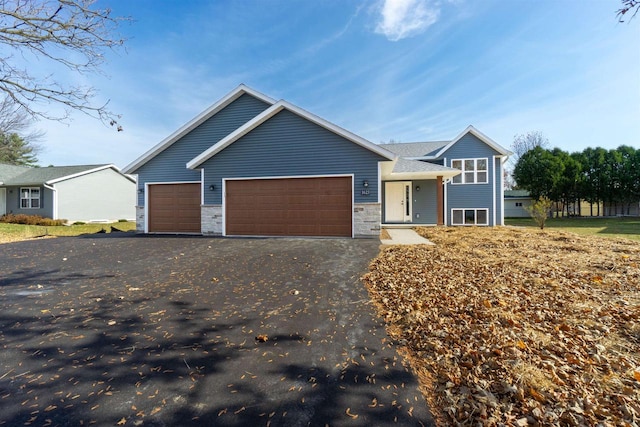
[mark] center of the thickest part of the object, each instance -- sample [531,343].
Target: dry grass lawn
[515,327]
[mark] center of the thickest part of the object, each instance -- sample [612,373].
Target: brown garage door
[289,207]
[174,208]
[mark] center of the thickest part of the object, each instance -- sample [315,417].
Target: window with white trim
[474,171]
[469,216]
[30,198]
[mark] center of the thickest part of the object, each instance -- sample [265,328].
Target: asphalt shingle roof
[408,166]
[516,193]
[415,149]
[31,176]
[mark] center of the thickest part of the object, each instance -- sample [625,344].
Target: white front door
[3,201]
[397,201]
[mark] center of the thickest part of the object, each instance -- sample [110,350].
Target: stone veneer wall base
[366,220]
[211,220]
[139,219]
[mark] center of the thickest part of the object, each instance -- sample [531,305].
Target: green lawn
[625,227]
[15,232]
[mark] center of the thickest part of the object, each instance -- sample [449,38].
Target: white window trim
[30,198]
[475,171]
[475,214]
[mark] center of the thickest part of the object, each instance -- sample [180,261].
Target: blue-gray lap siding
[289,145]
[474,195]
[170,164]
[424,202]
[46,202]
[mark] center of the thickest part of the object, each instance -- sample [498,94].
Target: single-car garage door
[289,207]
[174,208]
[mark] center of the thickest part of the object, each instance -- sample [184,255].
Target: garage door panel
[174,208]
[289,207]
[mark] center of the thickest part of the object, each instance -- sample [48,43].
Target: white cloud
[400,19]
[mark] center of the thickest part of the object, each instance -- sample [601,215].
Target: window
[518,204]
[474,171]
[469,217]
[30,198]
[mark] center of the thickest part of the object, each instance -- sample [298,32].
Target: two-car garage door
[289,207]
[259,207]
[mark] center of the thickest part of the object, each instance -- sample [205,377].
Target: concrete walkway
[404,236]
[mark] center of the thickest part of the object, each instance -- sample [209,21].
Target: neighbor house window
[469,217]
[30,198]
[474,171]
[518,204]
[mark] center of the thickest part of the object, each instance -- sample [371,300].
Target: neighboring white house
[516,203]
[75,193]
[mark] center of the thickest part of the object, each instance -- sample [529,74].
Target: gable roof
[195,122]
[436,149]
[272,111]
[53,174]
[482,137]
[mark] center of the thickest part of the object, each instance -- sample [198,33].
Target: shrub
[79,223]
[539,210]
[30,220]
[123,220]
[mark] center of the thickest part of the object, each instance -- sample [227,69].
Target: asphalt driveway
[161,331]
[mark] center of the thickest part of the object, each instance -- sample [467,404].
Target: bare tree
[521,144]
[628,6]
[71,33]
[525,142]
[18,141]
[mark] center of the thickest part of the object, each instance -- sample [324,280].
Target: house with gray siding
[74,193]
[253,166]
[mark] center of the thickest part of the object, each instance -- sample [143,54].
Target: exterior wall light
[141,190]
[365,183]
[212,187]
[417,188]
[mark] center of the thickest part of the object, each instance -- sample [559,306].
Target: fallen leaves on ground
[517,327]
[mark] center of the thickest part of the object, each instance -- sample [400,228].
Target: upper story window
[30,198]
[474,171]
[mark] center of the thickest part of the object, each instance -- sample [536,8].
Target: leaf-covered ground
[516,327]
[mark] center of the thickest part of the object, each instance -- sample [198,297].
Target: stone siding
[139,219]
[366,219]
[211,220]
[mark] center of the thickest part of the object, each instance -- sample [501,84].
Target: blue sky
[411,70]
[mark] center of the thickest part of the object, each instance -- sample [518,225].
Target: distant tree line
[608,178]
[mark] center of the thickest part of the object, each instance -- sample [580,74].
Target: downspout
[54,192]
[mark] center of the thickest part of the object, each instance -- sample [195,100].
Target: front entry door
[397,201]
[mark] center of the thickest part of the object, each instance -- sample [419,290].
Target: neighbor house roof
[272,111]
[516,194]
[9,171]
[53,174]
[195,122]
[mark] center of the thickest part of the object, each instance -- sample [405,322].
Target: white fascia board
[88,171]
[482,137]
[195,122]
[272,111]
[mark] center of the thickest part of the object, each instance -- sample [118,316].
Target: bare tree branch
[628,6]
[68,32]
